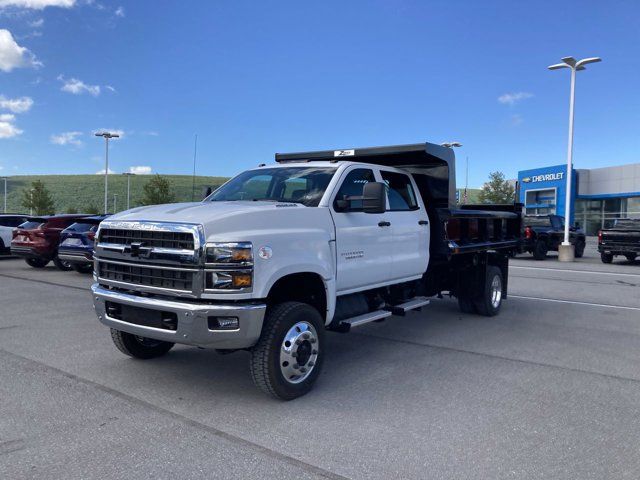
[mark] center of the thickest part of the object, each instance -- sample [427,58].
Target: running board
[400,310]
[414,304]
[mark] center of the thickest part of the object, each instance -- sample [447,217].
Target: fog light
[242,280]
[223,323]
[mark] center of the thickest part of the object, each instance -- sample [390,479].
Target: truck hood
[198,212]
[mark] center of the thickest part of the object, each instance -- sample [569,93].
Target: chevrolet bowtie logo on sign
[547,177]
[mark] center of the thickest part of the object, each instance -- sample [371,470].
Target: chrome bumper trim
[192,320]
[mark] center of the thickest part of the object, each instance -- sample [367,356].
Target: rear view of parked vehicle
[622,239]
[545,233]
[76,243]
[37,239]
[7,224]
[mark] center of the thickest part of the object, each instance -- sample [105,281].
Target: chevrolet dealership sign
[547,177]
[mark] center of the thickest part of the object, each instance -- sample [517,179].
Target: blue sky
[254,78]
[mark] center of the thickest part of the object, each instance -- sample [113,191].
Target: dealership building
[598,196]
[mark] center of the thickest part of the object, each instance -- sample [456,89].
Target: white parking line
[577,271]
[574,302]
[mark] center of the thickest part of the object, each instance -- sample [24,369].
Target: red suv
[37,240]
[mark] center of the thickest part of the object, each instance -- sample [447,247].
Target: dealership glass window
[612,209]
[540,202]
[633,207]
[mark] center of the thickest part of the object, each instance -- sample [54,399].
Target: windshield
[304,185]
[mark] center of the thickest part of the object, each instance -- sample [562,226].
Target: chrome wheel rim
[496,291]
[299,352]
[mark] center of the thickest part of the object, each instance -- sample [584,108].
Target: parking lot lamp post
[451,144]
[5,194]
[128,175]
[106,136]
[566,251]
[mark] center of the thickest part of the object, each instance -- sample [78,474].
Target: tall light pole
[566,251]
[5,194]
[128,175]
[106,136]
[451,144]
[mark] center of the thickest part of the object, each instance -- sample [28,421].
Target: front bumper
[192,319]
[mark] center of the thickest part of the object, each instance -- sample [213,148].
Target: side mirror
[374,198]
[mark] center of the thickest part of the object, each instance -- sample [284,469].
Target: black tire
[139,347]
[466,304]
[62,264]
[36,262]
[579,249]
[267,369]
[490,300]
[631,257]
[540,250]
[606,257]
[83,268]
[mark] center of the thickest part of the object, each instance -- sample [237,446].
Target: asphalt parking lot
[548,389]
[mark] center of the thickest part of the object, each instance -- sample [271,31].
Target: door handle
[384,224]
[423,222]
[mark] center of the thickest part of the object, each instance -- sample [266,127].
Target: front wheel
[287,359]
[606,257]
[139,347]
[36,262]
[540,250]
[62,264]
[489,301]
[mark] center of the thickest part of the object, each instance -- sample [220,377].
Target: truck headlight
[229,280]
[237,253]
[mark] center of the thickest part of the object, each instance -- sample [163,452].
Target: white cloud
[140,170]
[13,55]
[7,128]
[110,88]
[7,117]
[119,12]
[78,87]
[37,23]
[115,131]
[37,4]
[513,98]
[101,172]
[67,138]
[16,105]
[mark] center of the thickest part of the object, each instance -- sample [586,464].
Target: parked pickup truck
[327,240]
[622,239]
[544,233]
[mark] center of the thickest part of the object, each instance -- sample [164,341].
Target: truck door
[409,225]
[364,241]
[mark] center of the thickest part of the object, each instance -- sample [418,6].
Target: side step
[399,310]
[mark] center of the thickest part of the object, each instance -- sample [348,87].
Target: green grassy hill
[81,191]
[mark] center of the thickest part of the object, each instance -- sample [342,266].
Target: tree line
[38,199]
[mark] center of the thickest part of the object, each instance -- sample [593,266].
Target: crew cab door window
[363,240]
[400,191]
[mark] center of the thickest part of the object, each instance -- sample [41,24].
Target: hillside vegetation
[81,191]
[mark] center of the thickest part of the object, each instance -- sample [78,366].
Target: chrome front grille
[153,257]
[150,238]
[147,275]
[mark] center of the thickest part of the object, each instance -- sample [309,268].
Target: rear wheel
[36,262]
[490,300]
[80,268]
[579,249]
[62,264]
[139,347]
[606,257]
[287,359]
[630,256]
[540,250]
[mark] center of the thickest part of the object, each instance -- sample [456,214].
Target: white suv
[7,224]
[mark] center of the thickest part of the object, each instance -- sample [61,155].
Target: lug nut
[294,354]
[314,352]
[305,336]
[312,340]
[296,366]
[303,370]
[298,342]
[310,364]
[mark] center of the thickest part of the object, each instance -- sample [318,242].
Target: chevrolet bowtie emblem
[137,249]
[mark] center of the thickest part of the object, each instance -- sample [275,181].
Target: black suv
[544,233]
